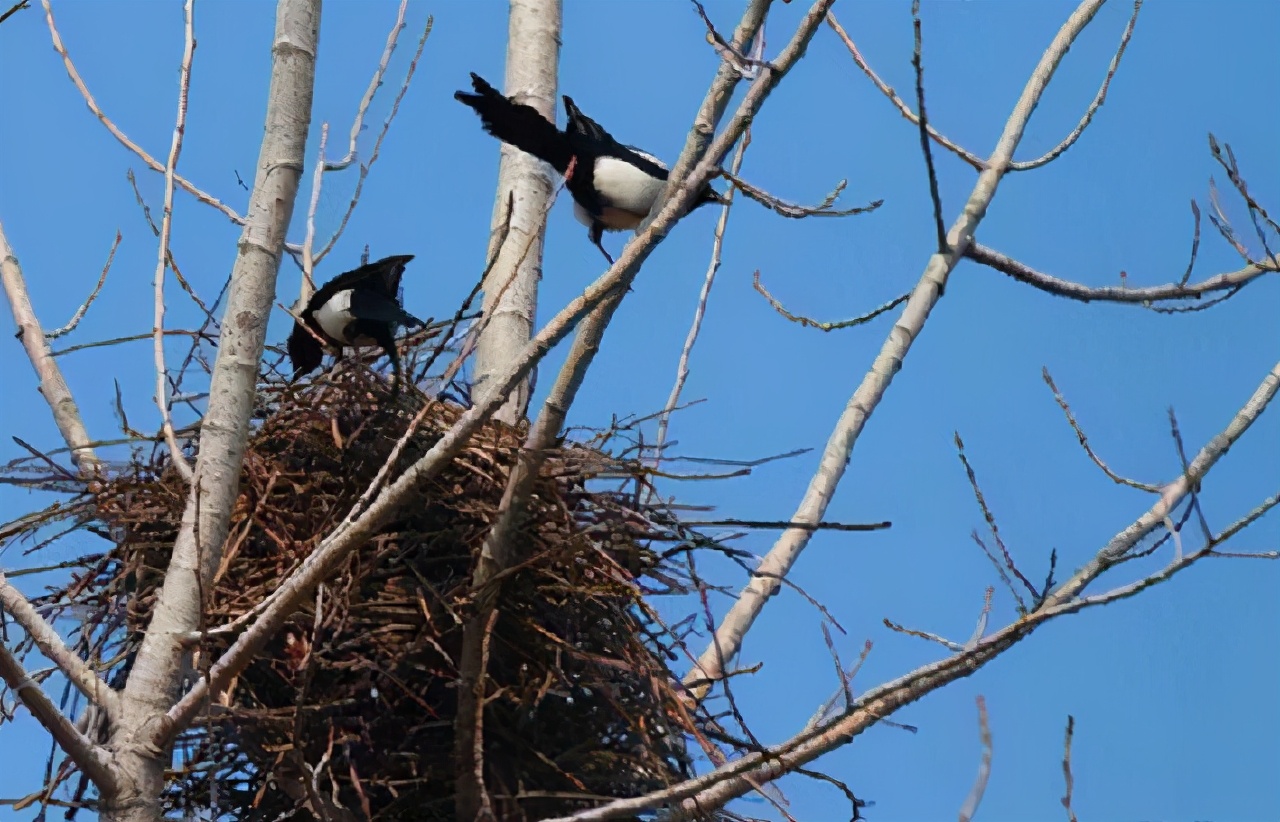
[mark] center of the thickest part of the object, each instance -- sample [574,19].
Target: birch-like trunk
[511,289]
[156,675]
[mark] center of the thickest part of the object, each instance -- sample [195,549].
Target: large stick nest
[349,713]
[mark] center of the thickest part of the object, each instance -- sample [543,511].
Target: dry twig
[93,295]
[166,228]
[826,325]
[974,799]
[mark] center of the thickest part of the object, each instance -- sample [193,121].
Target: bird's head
[305,351]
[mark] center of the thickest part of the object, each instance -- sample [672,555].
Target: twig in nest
[820,324]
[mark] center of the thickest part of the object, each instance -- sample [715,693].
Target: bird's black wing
[520,125]
[370,305]
[581,125]
[383,274]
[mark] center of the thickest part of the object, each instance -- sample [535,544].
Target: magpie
[614,186]
[358,308]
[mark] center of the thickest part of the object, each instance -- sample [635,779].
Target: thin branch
[717,245]
[53,386]
[769,523]
[1066,769]
[1173,493]
[1084,440]
[1233,280]
[917,63]
[974,799]
[176,456]
[366,167]
[794,210]
[696,796]
[14,9]
[46,638]
[836,455]
[151,162]
[173,264]
[84,307]
[95,762]
[825,325]
[317,180]
[375,83]
[1098,100]
[972,159]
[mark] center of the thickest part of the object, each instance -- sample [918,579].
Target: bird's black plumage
[357,308]
[614,186]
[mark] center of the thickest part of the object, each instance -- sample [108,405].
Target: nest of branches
[350,711]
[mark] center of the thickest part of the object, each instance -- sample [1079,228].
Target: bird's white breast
[335,315]
[625,187]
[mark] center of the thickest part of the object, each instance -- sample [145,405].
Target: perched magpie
[358,308]
[613,185]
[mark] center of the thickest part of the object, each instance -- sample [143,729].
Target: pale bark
[156,674]
[511,288]
[53,386]
[835,456]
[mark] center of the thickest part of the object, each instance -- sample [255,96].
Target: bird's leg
[383,334]
[596,233]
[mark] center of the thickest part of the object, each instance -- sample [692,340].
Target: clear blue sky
[1173,692]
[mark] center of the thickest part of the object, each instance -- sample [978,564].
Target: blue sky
[1173,692]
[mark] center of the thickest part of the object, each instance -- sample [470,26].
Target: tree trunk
[533,57]
[157,672]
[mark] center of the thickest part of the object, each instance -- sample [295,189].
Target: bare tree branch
[968,156]
[93,295]
[375,83]
[365,168]
[1066,769]
[974,799]
[861,405]
[1100,98]
[917,63]
[178,459]
[826,325]
[14,9]
[712,790]
[717,245]
[53,386]
[46,638]
[1230,281]
[95,762]
[151,162]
